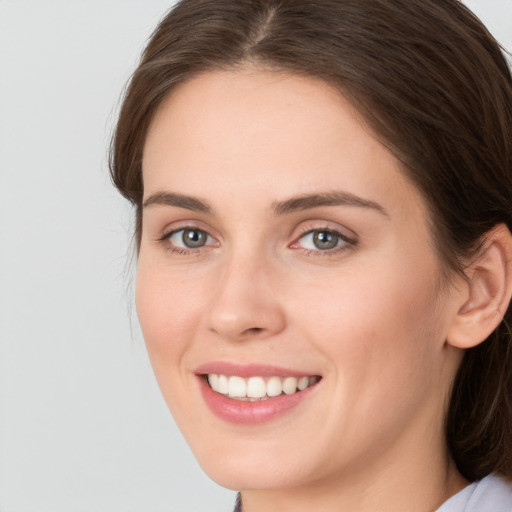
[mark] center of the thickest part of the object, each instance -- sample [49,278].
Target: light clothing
[491,494]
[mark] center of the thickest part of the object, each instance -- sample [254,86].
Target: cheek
[168,308]
[366,304]
[381,329]
[382,336]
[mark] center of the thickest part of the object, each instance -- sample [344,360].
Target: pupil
[325,240]
[193,238]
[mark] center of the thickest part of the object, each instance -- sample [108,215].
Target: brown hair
[434,86]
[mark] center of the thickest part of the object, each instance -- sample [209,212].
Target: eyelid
[172,227]
[320,230]
[207,241]
[349,241]
[172,230]
[322,225]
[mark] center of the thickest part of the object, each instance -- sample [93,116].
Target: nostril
[254,330]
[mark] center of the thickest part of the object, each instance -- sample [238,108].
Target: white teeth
[237,387]
[303,383]
[274,386]
[223,385]
[290,385]
[257,388]
[213,380]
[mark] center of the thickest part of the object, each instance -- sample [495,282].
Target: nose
[246,302]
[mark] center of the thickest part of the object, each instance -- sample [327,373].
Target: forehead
[251,99]
[266,131]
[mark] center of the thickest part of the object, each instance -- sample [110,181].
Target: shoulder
[491,494]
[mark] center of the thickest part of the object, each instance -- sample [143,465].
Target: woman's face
[285,255]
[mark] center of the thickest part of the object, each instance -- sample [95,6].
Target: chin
[245,463]
[236,472]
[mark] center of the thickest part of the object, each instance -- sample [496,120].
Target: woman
[323,202]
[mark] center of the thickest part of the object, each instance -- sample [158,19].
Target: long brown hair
[435,88]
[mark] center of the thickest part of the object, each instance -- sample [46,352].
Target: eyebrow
[335,198]
[294,204]
[179,200]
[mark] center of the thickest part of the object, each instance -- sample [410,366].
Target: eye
[189,238]
[322,240]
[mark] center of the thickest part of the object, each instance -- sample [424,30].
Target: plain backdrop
[82,425]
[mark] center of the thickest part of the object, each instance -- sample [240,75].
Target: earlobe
[487,291]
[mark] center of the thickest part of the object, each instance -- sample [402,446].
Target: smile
[258,388]
[251,394]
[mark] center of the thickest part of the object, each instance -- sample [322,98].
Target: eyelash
[181,251]
[347,244]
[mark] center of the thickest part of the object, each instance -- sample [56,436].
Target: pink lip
[245,412]
[248,370]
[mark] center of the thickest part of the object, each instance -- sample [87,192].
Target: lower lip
[250,413]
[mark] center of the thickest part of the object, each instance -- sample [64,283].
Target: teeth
[290,385]
[237,387]
[213,379]
[274,386]
[303,383]
[223,386]
[256,388]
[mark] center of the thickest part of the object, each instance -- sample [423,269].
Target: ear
[486,293]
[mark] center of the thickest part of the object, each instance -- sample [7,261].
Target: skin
[370,316]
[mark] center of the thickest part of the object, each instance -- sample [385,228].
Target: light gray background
[82,425]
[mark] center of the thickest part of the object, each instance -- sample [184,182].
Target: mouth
[254,393]
[251,394]
[258,388]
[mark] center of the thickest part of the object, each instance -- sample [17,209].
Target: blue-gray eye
[321,240]
[190,238]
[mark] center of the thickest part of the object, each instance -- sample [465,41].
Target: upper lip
[249,370]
